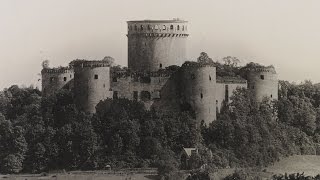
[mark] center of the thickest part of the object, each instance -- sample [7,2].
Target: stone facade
[158,75]
[154,45]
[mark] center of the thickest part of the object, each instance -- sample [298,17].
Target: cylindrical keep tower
[156,44]
[198,88]
[91,83]
[262,82]
[54,79]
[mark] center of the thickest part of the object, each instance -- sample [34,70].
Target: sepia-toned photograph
[160,90]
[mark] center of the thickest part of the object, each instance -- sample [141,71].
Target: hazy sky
[285,33]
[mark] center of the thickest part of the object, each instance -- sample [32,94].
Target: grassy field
[308,164]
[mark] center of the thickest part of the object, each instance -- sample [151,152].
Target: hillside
[309,164]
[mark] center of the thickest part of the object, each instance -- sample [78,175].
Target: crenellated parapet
[86,63]
[195,65]
[57,70]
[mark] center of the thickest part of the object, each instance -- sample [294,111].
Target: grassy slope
[309,164]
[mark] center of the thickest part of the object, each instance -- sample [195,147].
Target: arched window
[171,27]
[141,27]
[149,27]
[156,27]
[178,27]
[164,27]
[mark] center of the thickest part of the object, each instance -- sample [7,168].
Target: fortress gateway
[158,75]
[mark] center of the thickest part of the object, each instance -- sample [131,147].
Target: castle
[157,75]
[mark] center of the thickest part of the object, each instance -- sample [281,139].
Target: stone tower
[91,83]
[198,87]
[262,82]
[54,79]
[156,44]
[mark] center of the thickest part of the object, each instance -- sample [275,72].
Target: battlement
[229,79]
[85,63]
[191,64]
[58,70]
[138,74]
[155,27]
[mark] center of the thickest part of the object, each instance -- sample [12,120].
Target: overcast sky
[285,33]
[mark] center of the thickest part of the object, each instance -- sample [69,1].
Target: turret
[262,82]
[198,86]
[156,44]
[91,83]
[54,79]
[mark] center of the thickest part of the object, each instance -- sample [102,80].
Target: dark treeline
[47,133]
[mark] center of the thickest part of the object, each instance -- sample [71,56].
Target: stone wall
[154,45]
[55,79]
[91,84]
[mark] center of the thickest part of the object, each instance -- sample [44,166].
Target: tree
[204,58]
[109,60]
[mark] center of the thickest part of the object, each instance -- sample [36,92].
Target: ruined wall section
[198,88]
[263,82]
[154,45]
[225,89]
[144,87]
[91,84]
[54,79]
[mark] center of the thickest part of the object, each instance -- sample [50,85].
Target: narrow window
[226,93]
[149,27]
[114,79]
[171,27]
[115,94]
[193,76]
[135,27]
[201,95]
[182,28]
[209,78]
[178,27]
[51,79]
[145,95]
[262,77]
[252,87]
[135,95]
[271,95]
[141,27]
[156,27]
[104,85]
[96,76]
[164,27]
[160,65]
[64,78]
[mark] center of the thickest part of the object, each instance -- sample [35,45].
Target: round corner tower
[198,87]
[156,44]
[91,83]
[54,79]
[263,82]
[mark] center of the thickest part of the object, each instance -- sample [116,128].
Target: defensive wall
[54,79]
[91,83]
[262,82]
[197,87]
[225,89]
[156,44]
